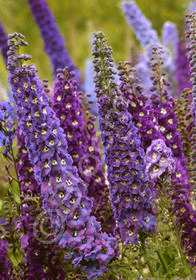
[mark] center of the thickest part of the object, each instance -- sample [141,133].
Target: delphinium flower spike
[6,269]
[63,191]
[141,25]
[88,85]
[182,67]
[3,42]
[170,36]
[163,106]
[147,37]
[83,144]
[141,110]
[160,163]
[7,128]
[53,40]
[130,190]
[192,6]
[185,125]
[41,256]
[143,73]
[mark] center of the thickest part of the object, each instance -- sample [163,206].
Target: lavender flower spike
[7,131]
[53,40]
[170,36]
[129,188]
[82,142]
[3,43]
[90,96]
[140,24]
[64,193]
[40,258]
[6,269]
[182,67]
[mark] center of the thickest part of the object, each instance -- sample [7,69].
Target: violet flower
[7,130]
[148,39]
[182,67]
[82,141]
[129,188]
[53,40]
[143,115]
[170,36]
[192,7]
[143,73]
[3,42]
[159,160]
[140,24]
[40,257]
[6,269]
[88,85]
[64,193]
[163,106]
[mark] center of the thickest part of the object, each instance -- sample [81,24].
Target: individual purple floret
[130,190]
[83,144]
[7,131]
[140,24]
[170,36]
[64,193]
[6,269]
[53,40]
[159,160]
[183,74]
[3,43]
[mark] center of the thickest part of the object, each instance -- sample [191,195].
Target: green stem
[15,168]
[162,260]
[172,219]
[146,255]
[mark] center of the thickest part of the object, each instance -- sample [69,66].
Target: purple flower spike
[131,192]
[82,143]
[7,130]
[6,269]
[53,40]
[64,193]
[182,67]
[159,159]
[140,24]
[3,43]
[170,36]
[143,115]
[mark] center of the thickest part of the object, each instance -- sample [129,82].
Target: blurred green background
[77,20]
